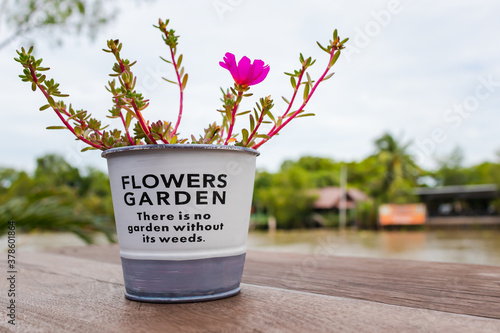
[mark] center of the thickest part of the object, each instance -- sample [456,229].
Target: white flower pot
[182,215]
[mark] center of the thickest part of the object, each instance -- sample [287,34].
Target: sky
[427,72]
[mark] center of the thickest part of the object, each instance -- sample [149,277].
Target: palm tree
[401,172]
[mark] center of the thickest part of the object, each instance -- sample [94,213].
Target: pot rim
[111,151]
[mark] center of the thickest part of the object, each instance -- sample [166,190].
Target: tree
[450,170]
[400,171]
[52,17]
[285,195]
[57,198]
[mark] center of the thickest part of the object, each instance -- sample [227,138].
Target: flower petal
[245,72]
[262,75]
[243,68]
[230,64]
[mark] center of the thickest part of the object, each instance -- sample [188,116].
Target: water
[459,246]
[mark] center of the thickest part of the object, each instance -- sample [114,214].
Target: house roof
[329,197]
[459,191]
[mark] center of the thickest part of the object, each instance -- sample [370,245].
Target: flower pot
[182,215]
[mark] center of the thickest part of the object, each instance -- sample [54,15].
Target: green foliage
[54,17]
[129,104]
[57,198]
[389,175]
[400,171]
[452,172]
[285,196]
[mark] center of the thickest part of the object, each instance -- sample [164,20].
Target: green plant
[129,104]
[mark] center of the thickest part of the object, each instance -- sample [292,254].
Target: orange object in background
[406,214]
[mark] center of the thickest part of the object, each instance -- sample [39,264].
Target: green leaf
[306,91]
[165,60]
[45,107]
[270,115]
[184,81]
[170,81]
[286,101]
[252,123]
[81,7]
[321,46]
[244,132]
[244,112]
[179,61]
[51,101]
[305,115]
[328,76]
[76,115]
[279,122]
[78,130]
[33,86]
[334,58]
[55,127]
[88,148]
[128,119]
[335,35]
[293,82]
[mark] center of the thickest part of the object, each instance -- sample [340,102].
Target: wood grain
[456,288]
[61,293]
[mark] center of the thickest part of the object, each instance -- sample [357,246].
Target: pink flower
[245,73]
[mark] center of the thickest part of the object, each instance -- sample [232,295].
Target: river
[459,246]
[472,246]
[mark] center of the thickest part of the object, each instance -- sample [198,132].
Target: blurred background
[402,159]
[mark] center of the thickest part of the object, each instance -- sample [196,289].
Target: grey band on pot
[172,281]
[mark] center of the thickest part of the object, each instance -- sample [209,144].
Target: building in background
[332,201]
[461,205]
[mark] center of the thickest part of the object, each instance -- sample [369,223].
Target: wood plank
[59,293]
[455,288]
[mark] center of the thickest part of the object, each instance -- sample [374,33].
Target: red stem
[274,131]
[137,112]
[126,129]
[181,91]
[233,117]
[123,121]
[144,127]
[58,112]
[299,82]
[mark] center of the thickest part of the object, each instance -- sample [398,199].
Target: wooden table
[81,290]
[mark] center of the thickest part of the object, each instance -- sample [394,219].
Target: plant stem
[233,117]
[181,90]
[58,112]
[274,131]
[124,124]
[299,82]
[144,126]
